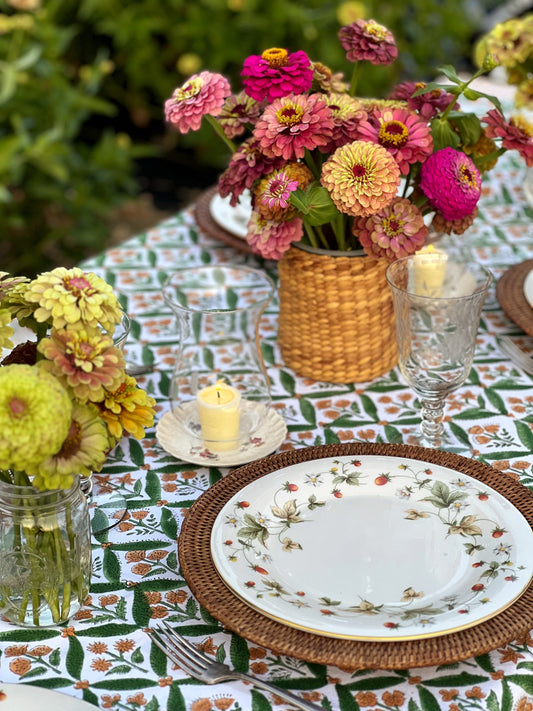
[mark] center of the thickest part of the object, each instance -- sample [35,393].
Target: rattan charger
[511,297]
[203,579]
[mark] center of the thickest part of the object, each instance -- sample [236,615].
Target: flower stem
[220,132]
[355,76]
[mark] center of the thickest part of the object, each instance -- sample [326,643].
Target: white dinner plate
[373,548]
[528,288]
[232,219]
[24,697]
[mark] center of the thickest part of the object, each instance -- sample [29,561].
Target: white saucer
[232,219]
[175,440]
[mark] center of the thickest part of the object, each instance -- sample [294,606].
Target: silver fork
[516,354]
[183,653]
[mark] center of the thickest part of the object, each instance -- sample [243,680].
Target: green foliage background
[83,83]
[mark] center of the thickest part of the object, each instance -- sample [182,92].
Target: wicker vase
[336,319]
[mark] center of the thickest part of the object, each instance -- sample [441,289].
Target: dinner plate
[232,219]
[25,697]
[373,548]
[528,288]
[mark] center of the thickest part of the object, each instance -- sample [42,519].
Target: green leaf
[525,434]
[169,525]
[460,434]
[449,71]
[124,684]
[136,453]
[370,407]
[330,437]
[507,696]
[239,654]
[443,134]
[288,382]
[153,486]
[158,661]
[75,657]
[463,679]
[176,702]
[89,697]
[111,566]
[393,435]
[492,702]
[484,662]
[427,701]
[141,610]
[373,683]
[523,680]
[111,630]
[496,401]
[469,127]
[120,669]
[315,204]
[347,701]
[267,349]
[308,411]
[259,702]
[147,355]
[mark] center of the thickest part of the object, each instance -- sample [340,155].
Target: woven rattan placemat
[207,224]
[510,295]
[203,579]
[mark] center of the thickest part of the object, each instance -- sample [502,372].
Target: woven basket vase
[336,317]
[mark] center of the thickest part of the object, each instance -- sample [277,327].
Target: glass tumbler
[219,390]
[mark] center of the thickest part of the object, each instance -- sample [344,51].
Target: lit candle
[429,271]
[219,410]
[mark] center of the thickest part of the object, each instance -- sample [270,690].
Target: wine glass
[438,301]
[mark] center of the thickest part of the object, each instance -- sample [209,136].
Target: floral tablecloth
[105,656]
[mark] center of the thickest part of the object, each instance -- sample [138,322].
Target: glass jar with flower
[328,170]
[65,401]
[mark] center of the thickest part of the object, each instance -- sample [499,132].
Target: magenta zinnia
[202,94]
[366,39]
[402,133]
[362,178]
[396,231]
[276,73]
[451,182]
[294,124]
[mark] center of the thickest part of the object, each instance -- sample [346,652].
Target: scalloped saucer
[176,440]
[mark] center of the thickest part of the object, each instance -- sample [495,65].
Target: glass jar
[220,391]
[45,554]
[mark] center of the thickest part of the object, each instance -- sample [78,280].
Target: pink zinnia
[202,94]
[293,124]
[276,73]
[451,183]
[427,105]
[396,231]
[402,133]
[347,114]
[516,135]
[272,239]
[246,165]
[366,39]
[238,111]
[278,190]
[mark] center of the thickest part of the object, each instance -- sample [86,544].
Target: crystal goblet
[438,302]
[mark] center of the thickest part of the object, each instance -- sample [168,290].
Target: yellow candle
[219,410]
[429,271]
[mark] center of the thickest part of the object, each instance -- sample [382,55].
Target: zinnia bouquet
[511,43]
[343,172]
[65,397]
[65,401]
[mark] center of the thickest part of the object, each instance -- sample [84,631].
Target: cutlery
[183,653]
[516,354]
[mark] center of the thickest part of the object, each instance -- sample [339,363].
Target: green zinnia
[35,412]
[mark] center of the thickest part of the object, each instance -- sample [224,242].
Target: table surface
[104,654]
